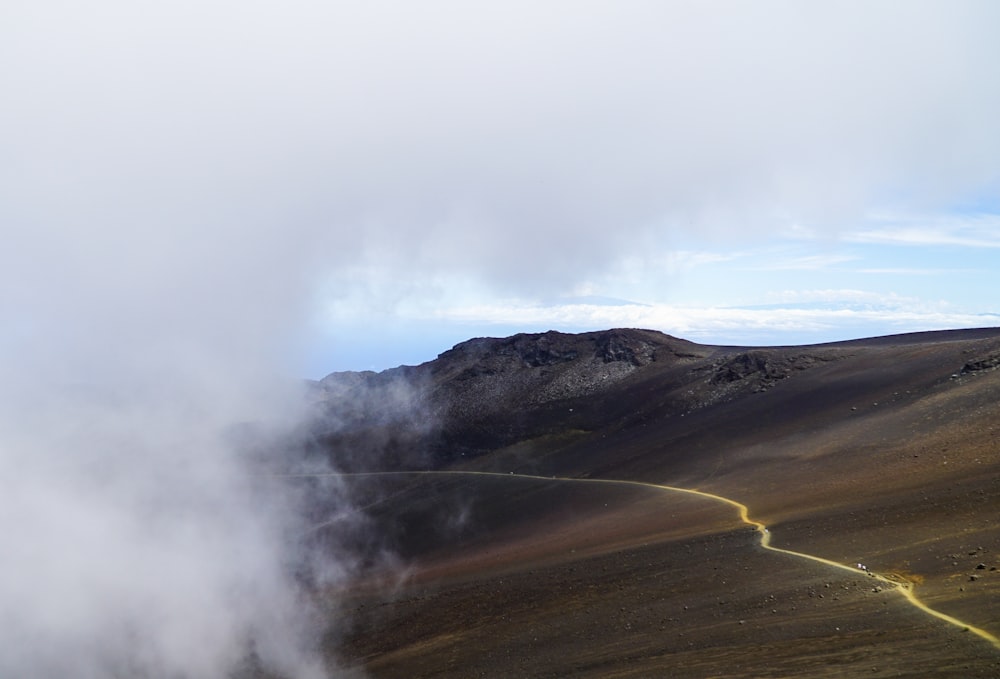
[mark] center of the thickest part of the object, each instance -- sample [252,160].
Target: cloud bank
[799,317]
[526,144]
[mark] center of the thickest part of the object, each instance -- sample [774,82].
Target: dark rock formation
[488,393]
[762,368]
[757,364]
[483,393]
[990,362]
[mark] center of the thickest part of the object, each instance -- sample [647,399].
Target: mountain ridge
[486,393]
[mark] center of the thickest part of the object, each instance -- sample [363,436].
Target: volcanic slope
[879,452]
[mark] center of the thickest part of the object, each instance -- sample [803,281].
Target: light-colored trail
[904,587]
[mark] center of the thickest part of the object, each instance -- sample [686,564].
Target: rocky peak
[478,393]
[543,350]
[622,346]
[539,350]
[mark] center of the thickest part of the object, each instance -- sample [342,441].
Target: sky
[386,180]
[202,203]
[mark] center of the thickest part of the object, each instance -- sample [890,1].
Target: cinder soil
[664,589]
[885,454]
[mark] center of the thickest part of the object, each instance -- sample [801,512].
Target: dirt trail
[904,587]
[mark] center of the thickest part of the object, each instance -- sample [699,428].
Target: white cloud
[772,262]
[971,231]
[913,271]
[848,297]
[794,317]
[924,236]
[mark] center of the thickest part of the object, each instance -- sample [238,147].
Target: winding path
[904,587]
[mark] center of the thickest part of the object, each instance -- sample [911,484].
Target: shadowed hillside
[882,452]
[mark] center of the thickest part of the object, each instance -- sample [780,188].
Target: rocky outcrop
[636,347]
[988,362]
[533,369]
[619,347]
[487,392]
[762,368]
[750,364]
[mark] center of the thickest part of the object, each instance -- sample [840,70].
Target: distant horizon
[882,275]
[430,353]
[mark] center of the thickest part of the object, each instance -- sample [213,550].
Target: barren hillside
[879,452]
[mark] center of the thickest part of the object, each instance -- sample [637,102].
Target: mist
[148,390]
[143,405]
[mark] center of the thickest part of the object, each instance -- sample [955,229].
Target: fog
[525,145]
[147,390]
[142,406]
[184,185]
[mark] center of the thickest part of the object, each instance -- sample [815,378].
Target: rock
[757,364]
[983,363]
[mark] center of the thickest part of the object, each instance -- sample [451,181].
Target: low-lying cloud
[799,317]
[146,396]
[140,540]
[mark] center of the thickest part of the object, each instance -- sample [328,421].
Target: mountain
[881,452]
